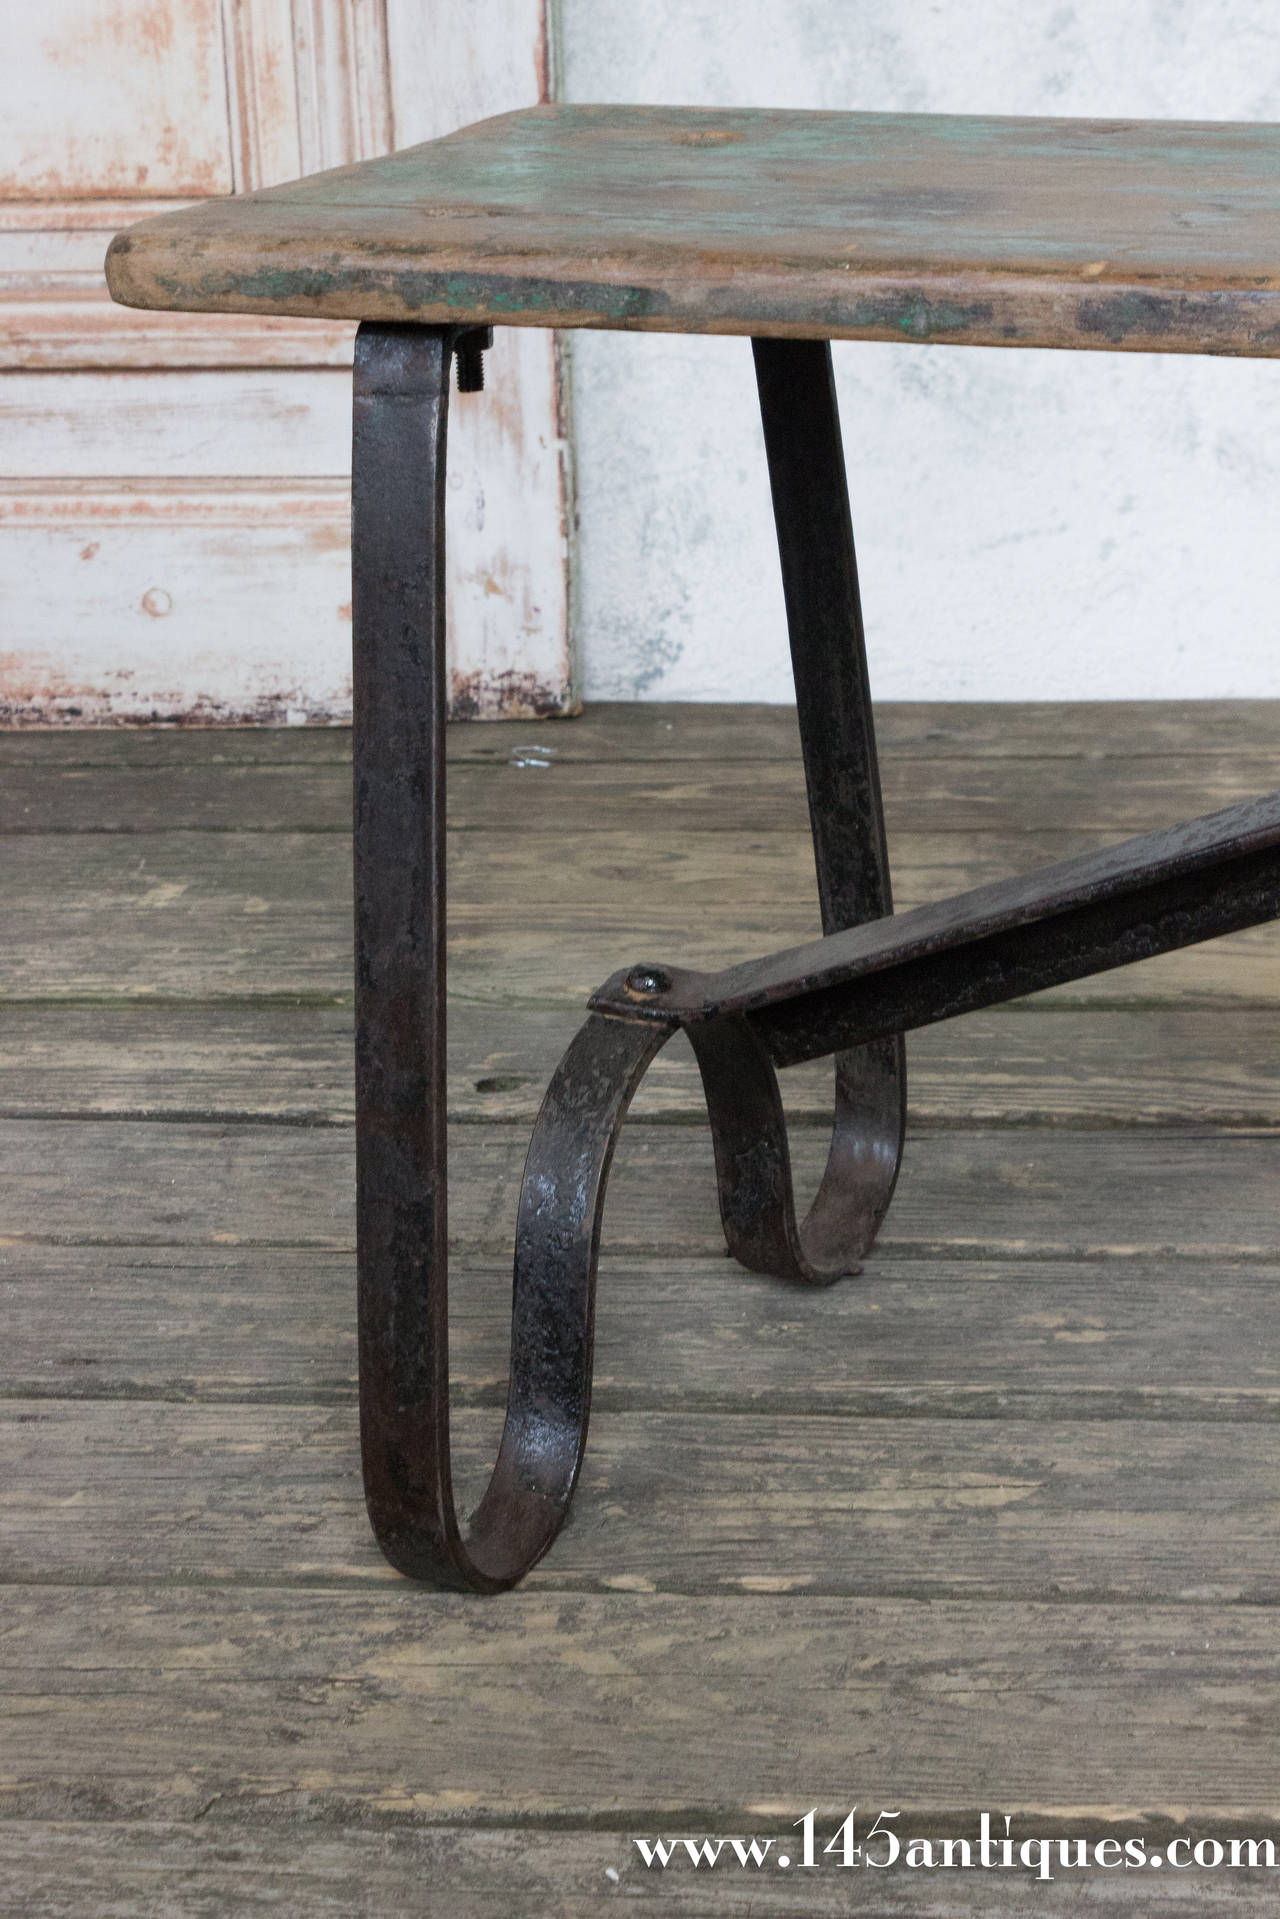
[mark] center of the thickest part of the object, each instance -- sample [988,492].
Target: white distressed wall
[174,491]
[1029,524]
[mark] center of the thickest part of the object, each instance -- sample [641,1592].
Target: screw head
[647,981]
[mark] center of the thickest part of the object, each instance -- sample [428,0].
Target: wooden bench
[795,229]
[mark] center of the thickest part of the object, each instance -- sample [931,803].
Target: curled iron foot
[400,699]
[405,1367]
[805,454]
[753,1158]
[749,1134]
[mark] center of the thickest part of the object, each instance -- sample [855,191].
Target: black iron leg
[401,412]
[824,619]
[852,993]
[801,423]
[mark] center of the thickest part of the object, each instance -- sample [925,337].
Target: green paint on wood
[1162,236]
[503,295]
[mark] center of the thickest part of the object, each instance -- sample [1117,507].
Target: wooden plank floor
[992,1528]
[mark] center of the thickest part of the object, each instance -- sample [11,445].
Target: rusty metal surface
[1160,236]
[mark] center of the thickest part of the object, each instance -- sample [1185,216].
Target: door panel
[201,461]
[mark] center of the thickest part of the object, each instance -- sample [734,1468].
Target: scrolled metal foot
[400,697]
[753,1167]
[801,423]
[405,1387]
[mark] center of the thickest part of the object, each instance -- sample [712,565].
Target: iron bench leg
[852,993]
[400,696]
[828,653]
[401,412]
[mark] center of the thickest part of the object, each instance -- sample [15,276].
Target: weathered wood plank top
[1159,236]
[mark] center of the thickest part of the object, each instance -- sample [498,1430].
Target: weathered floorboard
[211,915]
[1004,1509]
[642,730]
[990,1526]
[232,1704]
[1193,1340]
[1027,1065]
[532,793]
[1017,1194]
[311,1871]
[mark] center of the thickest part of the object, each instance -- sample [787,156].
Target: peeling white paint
[174,510]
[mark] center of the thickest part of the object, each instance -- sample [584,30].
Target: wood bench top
[1158,236]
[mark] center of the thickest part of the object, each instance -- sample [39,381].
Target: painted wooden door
[174,488]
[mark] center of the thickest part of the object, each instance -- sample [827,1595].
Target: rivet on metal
[647,981]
